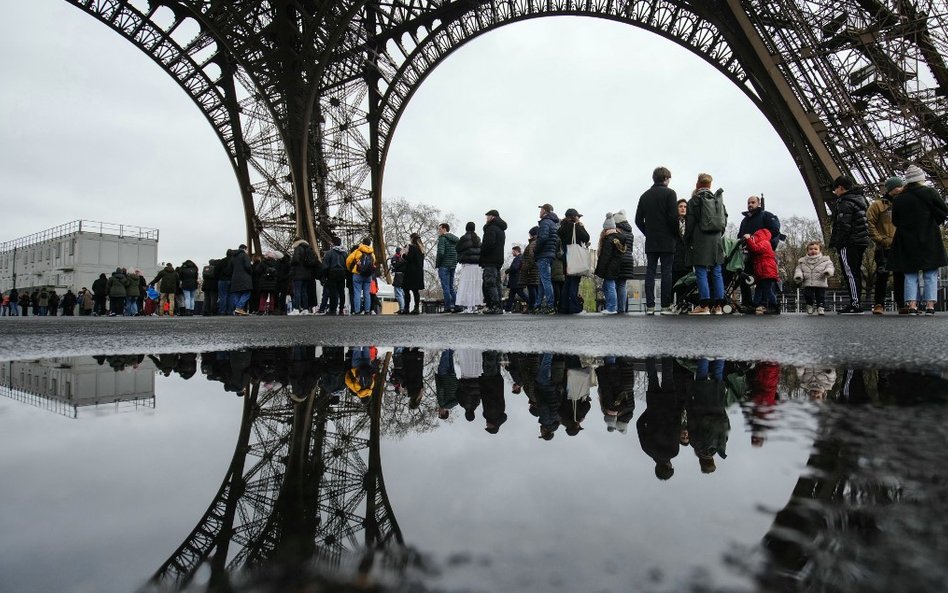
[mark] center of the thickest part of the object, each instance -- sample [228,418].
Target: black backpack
[365,265]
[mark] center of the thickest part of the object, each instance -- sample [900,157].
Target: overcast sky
[572,111]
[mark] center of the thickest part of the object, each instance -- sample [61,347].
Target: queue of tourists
[684,240]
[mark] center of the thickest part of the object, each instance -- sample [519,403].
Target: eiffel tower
[305,95]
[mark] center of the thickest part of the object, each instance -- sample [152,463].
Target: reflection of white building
[73,255]
[63,385]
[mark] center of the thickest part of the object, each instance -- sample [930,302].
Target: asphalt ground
[866,341]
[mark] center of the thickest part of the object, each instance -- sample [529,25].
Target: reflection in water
[304,489]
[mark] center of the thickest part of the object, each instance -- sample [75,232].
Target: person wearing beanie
[850,236]
[882,232]
[470,293]
[627,263]
[918,214]
[529,274]
[609,261]
[571,232]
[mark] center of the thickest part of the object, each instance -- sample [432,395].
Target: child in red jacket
[764,262]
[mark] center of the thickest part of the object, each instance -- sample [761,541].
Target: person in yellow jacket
[361,263]
[882,233]
[360,378]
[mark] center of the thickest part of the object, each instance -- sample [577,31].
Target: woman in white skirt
[470,279]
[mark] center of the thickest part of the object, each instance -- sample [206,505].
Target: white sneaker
[609,313]
[294,312]
[668,311]
[650,310]
[820,311]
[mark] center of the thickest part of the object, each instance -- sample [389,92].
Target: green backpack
[713,217]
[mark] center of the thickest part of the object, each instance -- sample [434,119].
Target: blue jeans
[622,300]
[545,288]
[446,275]
[223,297]
[362,286]
[400,297]
[300,295]
[717,283]
[238,300]
[652,261]
[609,292]
[188,299]
[928,293]
[131,306]
[714,369]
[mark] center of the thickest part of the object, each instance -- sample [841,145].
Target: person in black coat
[492,258]
[69,303]
[850,236]
[919,243]
[100,291]
[241,281]
[209,287]
[656,216]
[682,262]
[659,426]
[492,392]
[224,271]
[188,276]
[571,232]
[414,280]
[756,218]
[514,288]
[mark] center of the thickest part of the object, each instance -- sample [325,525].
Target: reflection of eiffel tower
[304,484]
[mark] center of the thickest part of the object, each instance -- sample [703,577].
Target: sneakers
[717,310]
[650,310]
[667,311]
[929,312]
[878,309]
[820,311]
[851,310]
[760,310]
[810,310]
[608,312]
[240,312]
[700,310]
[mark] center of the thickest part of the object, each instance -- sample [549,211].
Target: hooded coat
[447,255]
[242,278]
[188,275]
[529,274]
[167,280]
[918,244]
[133,285]
[492,246]
[611,250]
[814,270]
[299,262]
[100,287]
[705,246]
[627,263]
[117,283]
[414,269]
[849,223]
[762,255]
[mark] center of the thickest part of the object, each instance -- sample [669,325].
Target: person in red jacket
[763,382]
[764,262]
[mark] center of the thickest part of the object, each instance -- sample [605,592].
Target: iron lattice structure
[305,95]
[304,485]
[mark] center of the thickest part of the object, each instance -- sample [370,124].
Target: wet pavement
[372,467]
[890,340]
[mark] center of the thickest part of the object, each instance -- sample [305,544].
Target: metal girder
[311,90]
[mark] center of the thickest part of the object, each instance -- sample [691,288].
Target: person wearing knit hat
[882,232]
[914,174]
[609,263]
[918,214]
[627,266]
[529,274]
[620,217]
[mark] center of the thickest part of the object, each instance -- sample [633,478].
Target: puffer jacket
[813,270]
[762,255]
[167,280]
[627,264]
[117,284]
[816,378]
[188,275]
[447,254]
[469,248]
[529,275]
[850,227]
[493,248]
[879,221]
[546,237]
[352,262]
[609,260]
[132,287]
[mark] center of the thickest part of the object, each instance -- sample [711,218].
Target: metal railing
[81,226]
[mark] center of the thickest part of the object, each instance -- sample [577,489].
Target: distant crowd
[701,269]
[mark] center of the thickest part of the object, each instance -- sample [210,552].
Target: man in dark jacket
[657,217]
[571,232]
[446,262]
[188,275]
[241,281]
[223,271]
[543,254]
[514,288]
[756,218]
[492,257]
[301,263]
[850,236]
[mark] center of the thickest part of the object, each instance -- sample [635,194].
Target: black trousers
[814,295]
[882,257]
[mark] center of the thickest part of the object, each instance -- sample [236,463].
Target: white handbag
[578,259]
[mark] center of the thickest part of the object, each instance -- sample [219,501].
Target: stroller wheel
[749,280]
[728,309]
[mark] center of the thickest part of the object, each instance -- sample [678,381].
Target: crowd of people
[683,241]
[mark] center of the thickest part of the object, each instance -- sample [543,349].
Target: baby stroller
[732,271]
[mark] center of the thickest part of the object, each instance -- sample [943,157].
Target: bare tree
[401,218]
